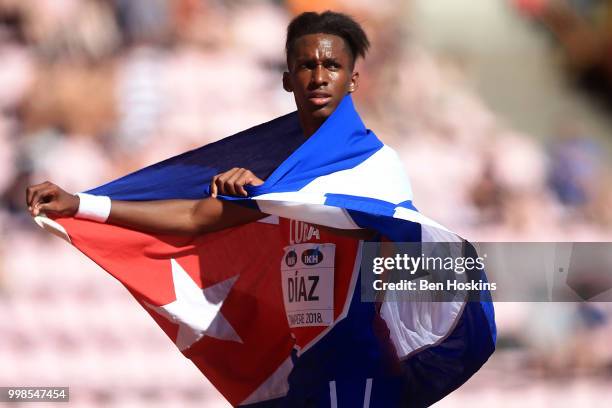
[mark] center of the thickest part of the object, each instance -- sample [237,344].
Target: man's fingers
[30,195]
[45,207]
[220,184]
[222,178]
[226,184]
[47,197]
[38,195]
[42,195]
[246,178]
[213,187]
[240,190]
[233,183]
[256,181]
[251,179]
[228,188]
[33,189]
[29,192]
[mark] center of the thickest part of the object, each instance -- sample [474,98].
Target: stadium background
[500,110]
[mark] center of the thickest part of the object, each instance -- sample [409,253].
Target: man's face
[320,75]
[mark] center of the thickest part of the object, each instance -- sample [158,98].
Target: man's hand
[49,198]
[232,182]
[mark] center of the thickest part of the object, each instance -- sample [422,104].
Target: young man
[343,356]
[321,53]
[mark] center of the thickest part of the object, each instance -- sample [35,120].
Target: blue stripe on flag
[261,149]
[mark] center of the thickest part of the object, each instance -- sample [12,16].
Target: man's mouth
[319,98]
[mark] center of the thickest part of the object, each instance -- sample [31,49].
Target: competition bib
[308,284]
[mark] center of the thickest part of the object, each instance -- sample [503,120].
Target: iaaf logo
[302,232]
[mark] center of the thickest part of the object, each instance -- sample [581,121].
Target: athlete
[321,52]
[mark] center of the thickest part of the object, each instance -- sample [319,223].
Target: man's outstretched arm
[170,216]
[161,216]
[181,216]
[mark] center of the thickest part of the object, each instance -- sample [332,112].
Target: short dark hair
[328,22]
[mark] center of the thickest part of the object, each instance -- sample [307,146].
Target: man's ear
[354,85]
[287,82]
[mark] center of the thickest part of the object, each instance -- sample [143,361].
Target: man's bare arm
[171,216]
[162,217]
[181,216]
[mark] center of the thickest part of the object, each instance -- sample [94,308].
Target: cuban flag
[218,296]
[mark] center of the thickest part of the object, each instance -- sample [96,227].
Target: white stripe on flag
[305,210]
[381,176]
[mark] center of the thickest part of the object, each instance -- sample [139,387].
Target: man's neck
[309,124]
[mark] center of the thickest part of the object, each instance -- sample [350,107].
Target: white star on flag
[197,310]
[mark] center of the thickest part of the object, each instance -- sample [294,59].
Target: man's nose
[318,76]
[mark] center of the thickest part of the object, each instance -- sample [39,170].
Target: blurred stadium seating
[93,89]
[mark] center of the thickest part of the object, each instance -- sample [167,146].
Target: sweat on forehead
[312,44]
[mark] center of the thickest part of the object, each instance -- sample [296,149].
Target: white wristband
[92,207]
